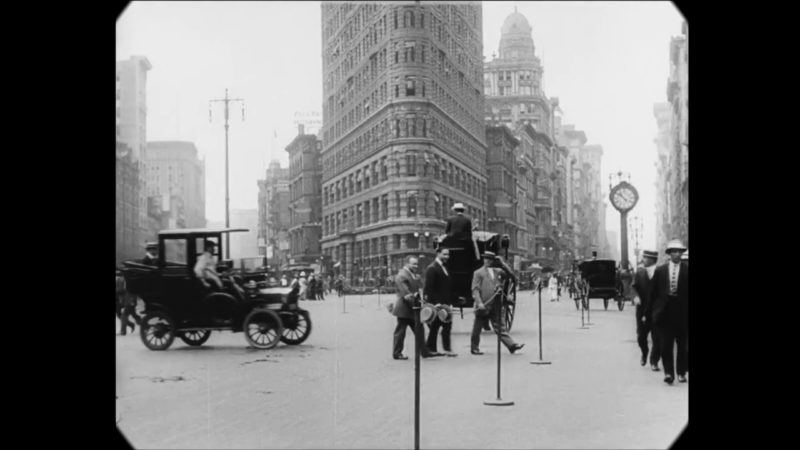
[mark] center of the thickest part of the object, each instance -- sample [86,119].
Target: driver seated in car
[206,267]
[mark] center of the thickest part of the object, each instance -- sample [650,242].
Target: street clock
[624,196]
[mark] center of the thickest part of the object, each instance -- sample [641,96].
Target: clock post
[623,197]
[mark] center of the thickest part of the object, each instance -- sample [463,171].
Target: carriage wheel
[157,330]
[262,329]
[296,328]
[605,304]
[195,338]
[621,304]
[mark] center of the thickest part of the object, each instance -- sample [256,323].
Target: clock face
[624,198]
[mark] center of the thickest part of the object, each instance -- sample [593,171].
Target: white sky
[607,62]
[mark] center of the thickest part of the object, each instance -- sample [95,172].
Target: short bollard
[499,400]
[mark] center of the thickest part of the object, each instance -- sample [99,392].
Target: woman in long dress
[552,284]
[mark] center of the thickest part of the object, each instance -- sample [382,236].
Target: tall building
[594,204]
[663,115]
[403,133]
[501,167]
[678,96]
[127,207]
[274,219]
[131,122]
[574,140]
[175,172]
[305,192]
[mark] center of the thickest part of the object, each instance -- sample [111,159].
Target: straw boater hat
[150,245]
[675,244]
[458,207]
[427,313]
[445,314]
[650,254]
[489,255]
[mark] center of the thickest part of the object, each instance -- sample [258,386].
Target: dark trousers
[400,335]
[128,311]
[672,328]
[433,335]
[499,328]
[642,330]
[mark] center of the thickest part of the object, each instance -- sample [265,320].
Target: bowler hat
[458,207]
[650,254]
[489,255]
[675,244]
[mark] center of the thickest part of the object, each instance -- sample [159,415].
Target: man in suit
[669,308]
[408,290]
[459,227]
[151,254]
[487,292]
[641,286]
[437,291]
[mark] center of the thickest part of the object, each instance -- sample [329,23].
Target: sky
[607,62]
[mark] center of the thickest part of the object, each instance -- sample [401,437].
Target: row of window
[377,209]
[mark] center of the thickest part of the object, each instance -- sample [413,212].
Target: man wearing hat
[669,308]
[206,267]
[437,291]
[487,291]
[641,286]
[151,254]
[459,227]
[408,290]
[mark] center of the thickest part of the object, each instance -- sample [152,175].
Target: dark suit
[459,226]
[437,290]
[641,285]
[407,283]
[671,317]
[149,260]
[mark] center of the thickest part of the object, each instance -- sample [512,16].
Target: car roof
[200,232]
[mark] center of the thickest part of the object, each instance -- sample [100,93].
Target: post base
[540,362]
[498,402]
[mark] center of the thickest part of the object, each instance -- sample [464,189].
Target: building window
[385,206]
[411,165]
[412,206]
[411,85]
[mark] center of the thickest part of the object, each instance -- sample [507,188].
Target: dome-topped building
[515,37]
[513,81]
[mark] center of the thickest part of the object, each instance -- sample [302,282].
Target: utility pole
[227,100]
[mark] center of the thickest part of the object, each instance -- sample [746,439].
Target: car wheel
[195,338]
[262,329]
[157,330]
[297,328]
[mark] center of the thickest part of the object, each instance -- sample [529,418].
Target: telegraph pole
[227,100]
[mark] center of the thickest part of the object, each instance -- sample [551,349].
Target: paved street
[342,389]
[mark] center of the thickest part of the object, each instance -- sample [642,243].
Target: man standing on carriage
[460,227]
[641,285]
[437,291]
[487,291]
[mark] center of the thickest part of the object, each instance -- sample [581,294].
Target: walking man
[669,308]
[487,291]
[437,291]
[641,286]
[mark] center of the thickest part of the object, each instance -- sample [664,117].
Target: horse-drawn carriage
[177,303]
[599,278]
[464,262]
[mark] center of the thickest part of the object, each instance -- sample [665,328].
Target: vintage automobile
[463,263]
[178,304]
[601,280]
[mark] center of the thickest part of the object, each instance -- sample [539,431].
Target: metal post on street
[588,311]
[583,307]
[226,100]
[499,400]
[417,339]
[540,361]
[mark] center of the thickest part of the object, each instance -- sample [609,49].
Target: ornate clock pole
[623,197]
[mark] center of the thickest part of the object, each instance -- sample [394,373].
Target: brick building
[403,136]
[305,204]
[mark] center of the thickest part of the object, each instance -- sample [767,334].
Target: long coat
[659,290]
[641,284]
[407,283]
[459,226]
[437,284]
